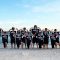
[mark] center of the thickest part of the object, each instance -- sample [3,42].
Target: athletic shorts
[12,40]
[5,40]
[45,40]
[23,39]
[34,40]
[57,40]
[53,42]
[18,41]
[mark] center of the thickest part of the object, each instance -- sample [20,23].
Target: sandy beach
[29,54]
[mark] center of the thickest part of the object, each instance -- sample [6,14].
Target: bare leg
[37,45]
[31,45]
[12,45]
[47,46]
[22,45]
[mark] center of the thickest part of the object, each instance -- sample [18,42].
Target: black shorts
[28,41]
[57,40]
[53,42]
[18,41]
[40,41]
[4,41]
[13,40]
[34,40]
[23,40]
[46,41]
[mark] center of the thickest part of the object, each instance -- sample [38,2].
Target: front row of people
[29,40]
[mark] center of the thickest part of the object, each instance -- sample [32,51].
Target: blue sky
[20,13]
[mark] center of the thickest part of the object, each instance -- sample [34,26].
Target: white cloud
[52,7]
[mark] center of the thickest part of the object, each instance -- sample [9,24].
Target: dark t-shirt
[35,31]
[5,38]
[18,36]
[46,34]
[12,34]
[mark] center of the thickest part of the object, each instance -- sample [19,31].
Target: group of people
[29,38]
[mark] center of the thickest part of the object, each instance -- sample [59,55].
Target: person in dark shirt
[56,34]
[40,40]
[13,37]
[28,38]
[4,39]
[53,40]
[46,37]
[18,39]
[35,31]
[23,34]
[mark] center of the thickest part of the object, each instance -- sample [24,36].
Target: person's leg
[28,45]
[11,45]
[52,44]
[18,45]
[59,44]
[39,44]
[4,45]
[33,42]
[25,42]
[42,44]
[22,45]
[47,46]
[14,44]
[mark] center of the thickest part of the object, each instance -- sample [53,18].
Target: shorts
[53,42]
[13,40]
[28,41]
[34,40]
[57,40]
[5,41]
[23,39]
[45,40]
[18,41]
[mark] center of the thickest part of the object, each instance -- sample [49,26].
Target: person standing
[53,40]
[46,37]
[35,31]
[40,40]
[56,34]
[18,39]
[13,37]
[23,34]
[4,39]
[28,38]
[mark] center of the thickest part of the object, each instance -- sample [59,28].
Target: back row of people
[29,38]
